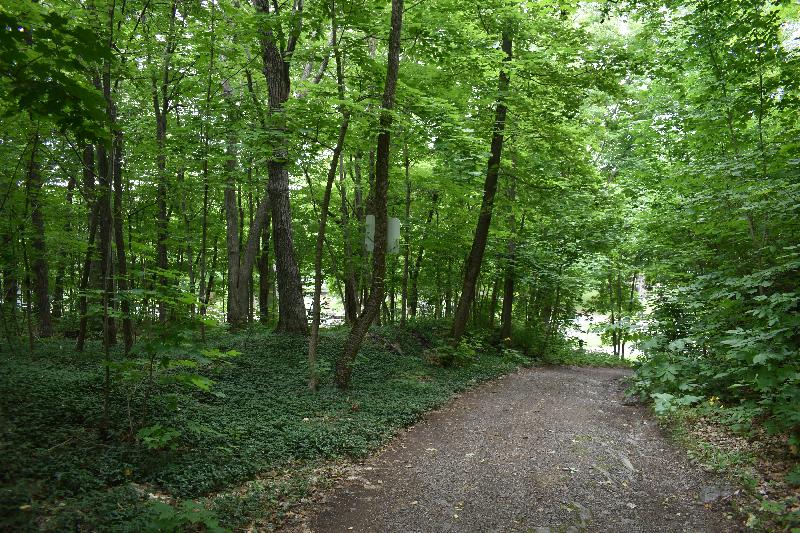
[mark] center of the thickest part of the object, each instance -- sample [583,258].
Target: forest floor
[543,449]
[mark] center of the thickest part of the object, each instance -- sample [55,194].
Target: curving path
[546,449]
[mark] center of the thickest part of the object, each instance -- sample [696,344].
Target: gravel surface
[547,449]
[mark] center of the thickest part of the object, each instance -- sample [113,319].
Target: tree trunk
[162,219]
[313,379]
[105,232]
[351,302]
[84,283]
[510,274]
[276,62]
[264,279]
[493,301]
[373,303]
[236,305]
[613,321]
[552,321]
[413,298]
[58,286]
[122,266]
[473,266]
[407,243]
[161,106]
[39,265]
[88,185]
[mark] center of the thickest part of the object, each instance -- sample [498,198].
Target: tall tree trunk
[552,321]
[58,285]
[630,313]
[105,228]
[39,265]
[373,303]
[510,274]
[122,266]
[276,61]
[84,282]
[473,265]
[161,106]
[162,220]
[613,320]
[201,296]
[448,291]
[313,379]
[240,265]
[236,305]
[493,301]
[210,283]
[8,255]
[94,209]
[264,279]
[407,243]
[351,302]
[413,297]
[28,296]
[360,213]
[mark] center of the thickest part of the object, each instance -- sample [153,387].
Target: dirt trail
[544,450]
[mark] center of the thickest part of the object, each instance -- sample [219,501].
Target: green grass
[247,452]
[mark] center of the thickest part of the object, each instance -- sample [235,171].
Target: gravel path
[545,450]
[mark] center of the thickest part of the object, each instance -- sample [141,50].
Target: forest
[240,241]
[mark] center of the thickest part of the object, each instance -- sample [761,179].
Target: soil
[548,449]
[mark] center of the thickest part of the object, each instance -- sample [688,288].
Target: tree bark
[493,301]
[39,262]
[510,274]
[236,311]
[58,285]
[351,302]
[313,379]
[122,266]
[105,229]
[407,243]
[473,265]
[84,283]
[264,279]
[413,297]
[373,303]
[88,185]
[276,62]
[161,106]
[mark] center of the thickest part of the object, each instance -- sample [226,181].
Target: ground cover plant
[257,417]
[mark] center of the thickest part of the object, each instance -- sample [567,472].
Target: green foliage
[665,403]
[569,355]
[188,516]
[157,437]
[192,443]
[42,53]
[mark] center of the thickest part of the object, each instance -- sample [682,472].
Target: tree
[473,265]
[372,306]
[277,47]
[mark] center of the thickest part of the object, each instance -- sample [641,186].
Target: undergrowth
[763,466]
[238,450]
[578,357]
